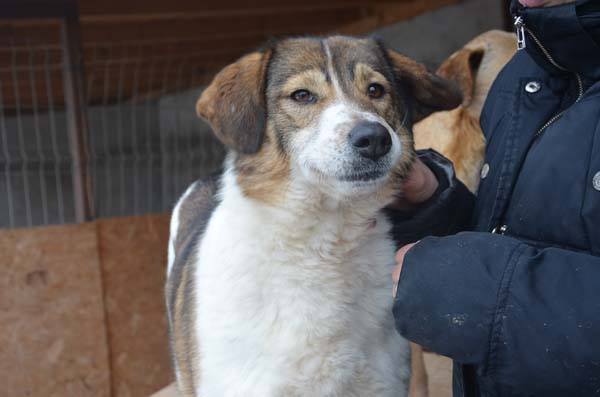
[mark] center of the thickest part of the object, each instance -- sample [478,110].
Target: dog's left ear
[234,103]
[430,92]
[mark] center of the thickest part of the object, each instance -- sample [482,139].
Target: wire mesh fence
[144,142]
[35,186]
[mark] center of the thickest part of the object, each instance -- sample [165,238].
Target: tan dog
[456,133]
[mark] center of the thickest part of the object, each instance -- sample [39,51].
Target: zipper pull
[500,229]
[520,30]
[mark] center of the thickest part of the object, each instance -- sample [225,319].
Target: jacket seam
[543,244]
[500,309]
[508,157]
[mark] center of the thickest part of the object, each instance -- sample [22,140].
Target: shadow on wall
[430,38]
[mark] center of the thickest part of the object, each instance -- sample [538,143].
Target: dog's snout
[370,139]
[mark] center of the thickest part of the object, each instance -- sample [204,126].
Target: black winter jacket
[515,302]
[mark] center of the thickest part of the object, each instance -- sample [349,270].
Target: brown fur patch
[467,149]
[431,92]
[364,75]
[264,176]
[296,64]
[462,67]
[457,139]
[290,115]
[404,165]
[194,214]
[234,104]
[184,345]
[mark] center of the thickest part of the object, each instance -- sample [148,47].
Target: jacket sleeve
[448,211]
[524,315]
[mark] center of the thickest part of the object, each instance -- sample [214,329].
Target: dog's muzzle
[370,140]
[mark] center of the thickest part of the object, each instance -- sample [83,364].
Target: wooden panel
[90,8]
[114,30]
[391,13]
[53,339]
[209,34]
[133,254]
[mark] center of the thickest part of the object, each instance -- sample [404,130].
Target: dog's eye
[375,91]
[303,96]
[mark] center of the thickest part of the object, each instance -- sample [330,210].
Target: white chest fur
[296,304]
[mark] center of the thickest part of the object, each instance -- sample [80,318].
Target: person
[515,300]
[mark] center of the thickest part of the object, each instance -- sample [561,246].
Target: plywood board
[52,338]
[133,252]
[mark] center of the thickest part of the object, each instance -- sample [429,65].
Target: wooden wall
[53,339]
[118,36]
[81,309]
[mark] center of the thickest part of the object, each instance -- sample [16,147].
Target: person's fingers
[415,178]
[398,268]
[401,252]
[396,278]
[417,187]
[420,185]
[396,272]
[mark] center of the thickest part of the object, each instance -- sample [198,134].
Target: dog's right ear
[234,103]
[462,68]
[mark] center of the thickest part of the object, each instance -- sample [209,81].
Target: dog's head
[334,113]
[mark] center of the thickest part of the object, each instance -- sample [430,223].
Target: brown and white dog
[279,285]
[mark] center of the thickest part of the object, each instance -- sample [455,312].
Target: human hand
[418,187]
[399,262]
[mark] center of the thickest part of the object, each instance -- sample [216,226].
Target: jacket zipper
[521,44]
[521,29]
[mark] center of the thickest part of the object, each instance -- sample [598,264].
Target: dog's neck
[303,210]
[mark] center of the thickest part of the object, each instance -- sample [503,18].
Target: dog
[279,283]
[456,133]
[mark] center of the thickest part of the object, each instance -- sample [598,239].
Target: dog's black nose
[371,140]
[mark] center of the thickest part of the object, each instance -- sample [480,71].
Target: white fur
[174,227]
[295,300]
[334,78]
[323,150]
